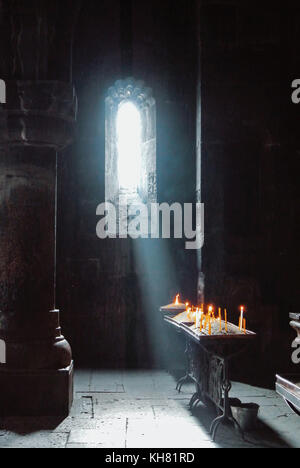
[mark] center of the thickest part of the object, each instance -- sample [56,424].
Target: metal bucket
[246,416]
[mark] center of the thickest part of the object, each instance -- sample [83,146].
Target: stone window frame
[136,92]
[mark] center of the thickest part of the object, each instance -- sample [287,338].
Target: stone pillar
[35,124]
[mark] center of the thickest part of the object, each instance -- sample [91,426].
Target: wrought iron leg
[215,426]
[193,400]
[186,378]
[223,419]
[181,382]
[227,416]
[196,398]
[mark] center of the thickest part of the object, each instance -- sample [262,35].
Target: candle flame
[177,299]
[241,320]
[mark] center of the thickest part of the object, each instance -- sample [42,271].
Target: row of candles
[205,316]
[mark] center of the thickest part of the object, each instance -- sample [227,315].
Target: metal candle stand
[207,365]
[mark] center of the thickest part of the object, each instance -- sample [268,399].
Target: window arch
[130,143]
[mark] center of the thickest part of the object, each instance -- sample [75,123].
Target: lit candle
[241,317]
[244,324]
[194,315]
[197,318]
[220,318]
[226,325]
[209,326]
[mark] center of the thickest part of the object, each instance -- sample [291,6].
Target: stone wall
[250,145]
[110,290]
[250,161]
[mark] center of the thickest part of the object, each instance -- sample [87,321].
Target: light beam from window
[129,140]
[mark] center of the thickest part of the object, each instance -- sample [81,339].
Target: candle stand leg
[196,398]
[186,378]
[227,415]
[181,382]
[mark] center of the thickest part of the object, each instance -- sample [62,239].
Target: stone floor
[143,410]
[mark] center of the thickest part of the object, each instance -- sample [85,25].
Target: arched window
[130,153]
[129,146]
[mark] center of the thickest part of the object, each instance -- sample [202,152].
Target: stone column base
[36,393]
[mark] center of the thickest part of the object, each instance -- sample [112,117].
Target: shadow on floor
[228,436]
[147,404]
[29,425]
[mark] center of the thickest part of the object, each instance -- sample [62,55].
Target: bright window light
[129,138]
